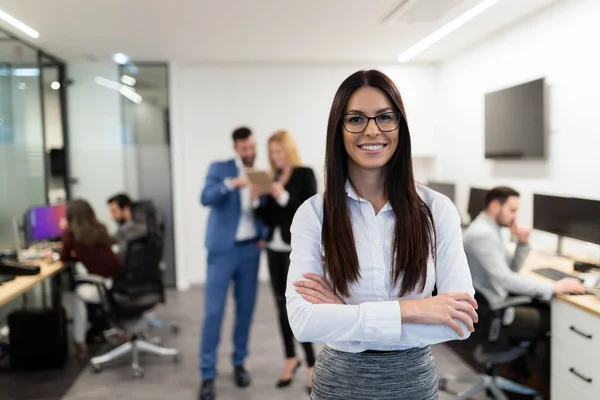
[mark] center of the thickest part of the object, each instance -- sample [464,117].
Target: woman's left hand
[317,290]
[276,189]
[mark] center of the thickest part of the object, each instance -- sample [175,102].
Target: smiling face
[277,155]
[372,148]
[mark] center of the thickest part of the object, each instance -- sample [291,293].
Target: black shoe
[287,382]
[207,391]
[242,377]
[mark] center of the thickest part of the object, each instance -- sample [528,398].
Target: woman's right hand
[443,309]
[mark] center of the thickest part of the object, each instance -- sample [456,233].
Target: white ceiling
[253,30]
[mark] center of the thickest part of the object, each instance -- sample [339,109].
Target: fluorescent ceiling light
[55,85]
[131,94]
[19,25]
[445,30]
[120,58]
[25,72]
[128,80]
[126,91]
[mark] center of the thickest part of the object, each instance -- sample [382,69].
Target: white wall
[560,44]
[208,102]
[95,136]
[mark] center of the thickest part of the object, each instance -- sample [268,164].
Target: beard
[248,161]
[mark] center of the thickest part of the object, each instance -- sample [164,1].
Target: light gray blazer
[495,273]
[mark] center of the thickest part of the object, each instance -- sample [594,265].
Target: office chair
[144,211]
[493,352]
[134,292]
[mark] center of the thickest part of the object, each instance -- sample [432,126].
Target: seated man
[495,273]
[129,229]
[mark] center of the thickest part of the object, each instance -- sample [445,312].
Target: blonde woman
[293,184]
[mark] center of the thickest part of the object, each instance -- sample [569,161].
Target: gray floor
[165,380]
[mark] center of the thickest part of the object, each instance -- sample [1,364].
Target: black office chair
[494,351]
[144,211]
[134,292]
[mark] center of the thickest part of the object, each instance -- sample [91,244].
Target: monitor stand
[559,247]
[17,231]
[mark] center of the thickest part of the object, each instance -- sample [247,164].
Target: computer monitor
[567,216]
[447,189]
[43,223]
[476,202]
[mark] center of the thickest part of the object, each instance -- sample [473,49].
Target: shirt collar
[488,220]
[351,193]
[238,162]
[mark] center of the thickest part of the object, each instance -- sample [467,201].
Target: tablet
[259,178]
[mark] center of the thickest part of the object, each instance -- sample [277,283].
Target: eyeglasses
[357,123]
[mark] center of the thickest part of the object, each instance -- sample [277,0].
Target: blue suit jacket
[225,208]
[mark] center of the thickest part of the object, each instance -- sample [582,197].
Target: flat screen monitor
[476,202]
[514,122]
[567,216]
[447,189]
[43,223]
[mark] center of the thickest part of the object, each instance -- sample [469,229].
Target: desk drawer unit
[563,391]
[578,328]
[577,370]
[575,352]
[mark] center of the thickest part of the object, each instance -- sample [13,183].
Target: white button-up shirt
[246,228]
[371,318]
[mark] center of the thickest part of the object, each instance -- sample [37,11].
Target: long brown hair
[414,234]
[84,226]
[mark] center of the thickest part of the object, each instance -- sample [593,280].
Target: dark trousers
[532,324]
[240,266]
[279,264]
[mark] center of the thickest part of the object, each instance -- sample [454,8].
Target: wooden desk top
[21,284]
[536,259]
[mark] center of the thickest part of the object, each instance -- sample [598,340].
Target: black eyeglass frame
[397,113]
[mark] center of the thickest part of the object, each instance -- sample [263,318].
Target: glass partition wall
[32,111]
[31,114]
[147,151]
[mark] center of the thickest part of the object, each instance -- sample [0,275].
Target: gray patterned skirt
[393,375]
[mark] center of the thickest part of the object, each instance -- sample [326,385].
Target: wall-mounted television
[514,122]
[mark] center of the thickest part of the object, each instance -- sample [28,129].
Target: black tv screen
[567,216]
[514,122]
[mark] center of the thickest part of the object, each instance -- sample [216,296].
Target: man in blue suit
[232,242]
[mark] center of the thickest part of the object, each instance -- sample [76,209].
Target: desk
[575,336]
[21,284]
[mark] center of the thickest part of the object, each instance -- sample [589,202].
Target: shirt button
[376,242]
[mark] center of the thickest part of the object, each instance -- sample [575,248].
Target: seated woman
[87,242]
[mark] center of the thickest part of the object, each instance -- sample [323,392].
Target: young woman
[367,254]
[86,241]
[293,185]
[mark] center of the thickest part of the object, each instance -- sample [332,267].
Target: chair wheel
[137,372]
[177,358]
[175,329]
[95,368]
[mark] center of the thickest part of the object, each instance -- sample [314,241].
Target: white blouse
[371,318]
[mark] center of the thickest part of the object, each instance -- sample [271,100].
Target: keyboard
[554,274]
[9,267]
[6,278]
